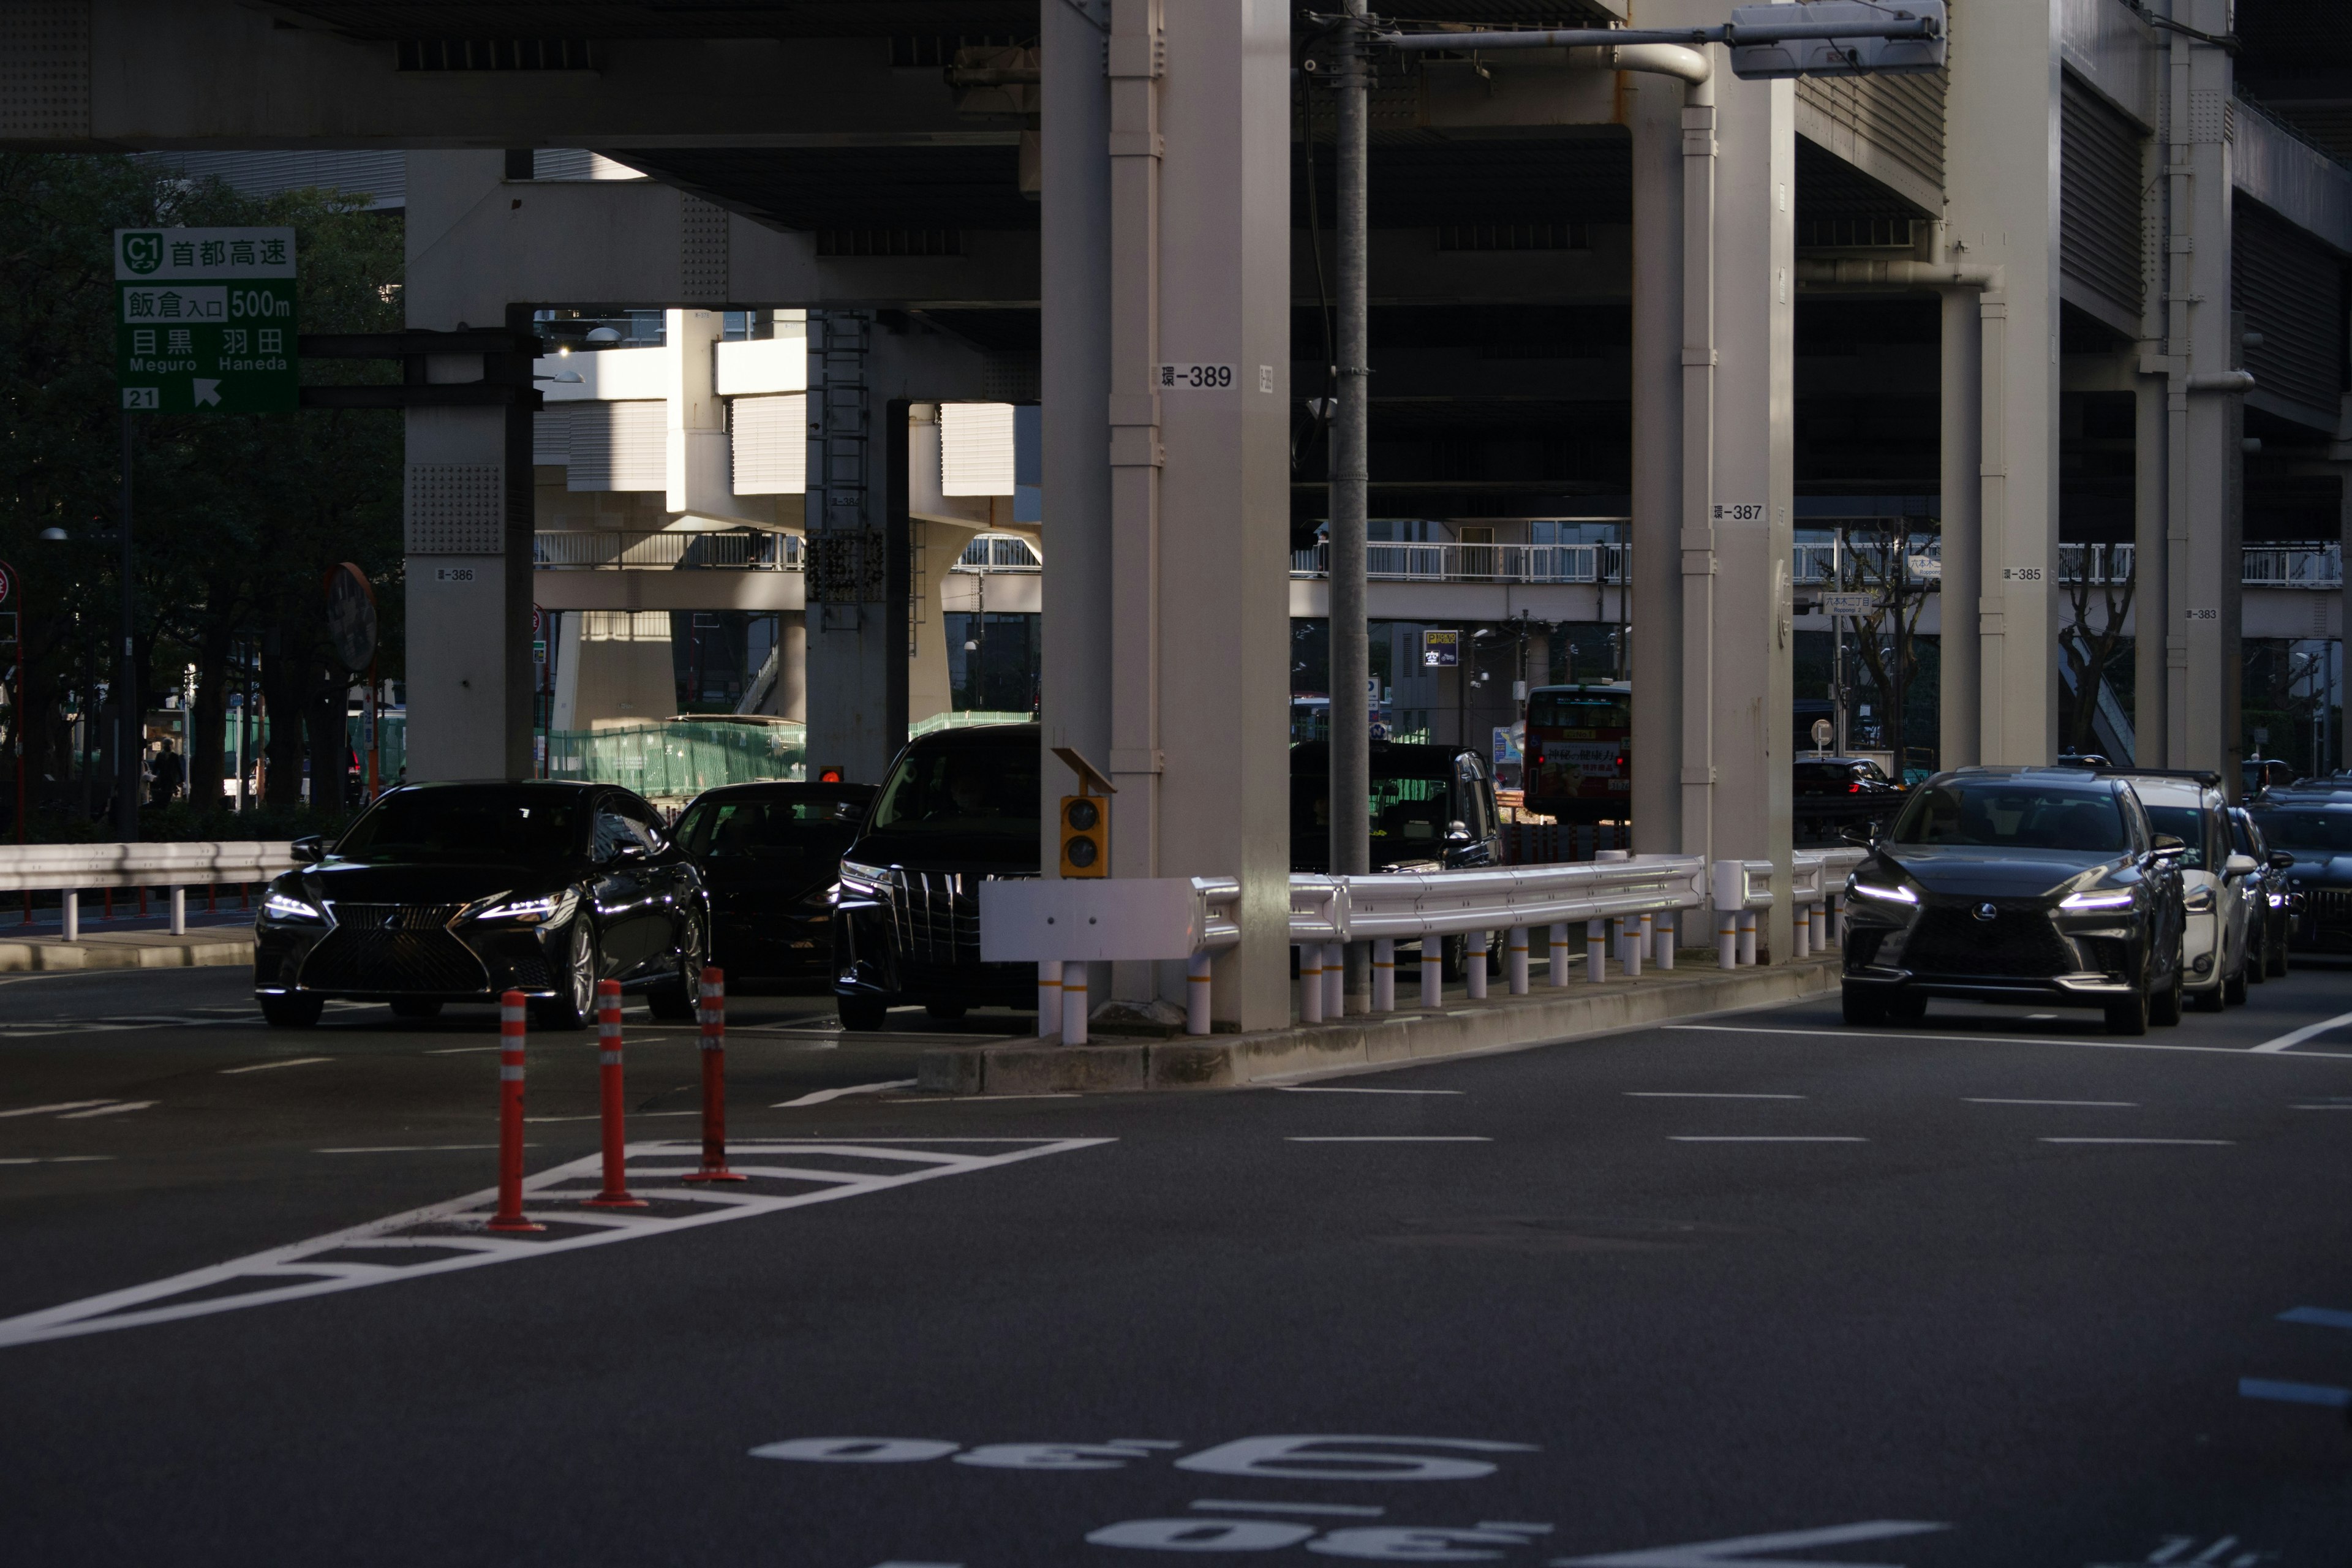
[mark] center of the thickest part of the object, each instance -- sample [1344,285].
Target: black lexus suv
[2026,885]
[957,808]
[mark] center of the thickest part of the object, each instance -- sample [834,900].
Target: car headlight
[2114,899]
[551,908]
[862,881]
[1885,893]
[287,907]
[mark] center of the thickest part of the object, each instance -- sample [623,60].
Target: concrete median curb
[1545,1017]
[220,946]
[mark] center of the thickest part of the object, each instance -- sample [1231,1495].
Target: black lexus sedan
[2026,885]
[770,854]
[457,892]
[2313,826]
[956,808]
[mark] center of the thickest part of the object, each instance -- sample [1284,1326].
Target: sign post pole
[126,682]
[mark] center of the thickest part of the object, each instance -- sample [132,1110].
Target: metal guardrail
[994,553]
[602,550]
[1631,904]
[1477,563]
[70,868]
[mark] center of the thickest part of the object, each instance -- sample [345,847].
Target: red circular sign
[538,620]
[8,581]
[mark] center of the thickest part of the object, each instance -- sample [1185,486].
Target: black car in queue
[2023,885]
[770,854]
[458,893]
[958,808]
[2313,826]
[2268,955]
[1433,809]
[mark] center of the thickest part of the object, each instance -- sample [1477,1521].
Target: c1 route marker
[1741,1549]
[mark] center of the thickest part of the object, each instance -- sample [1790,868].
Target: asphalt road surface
[1990,1293]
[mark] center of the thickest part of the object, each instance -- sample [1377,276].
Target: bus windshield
[1551,710]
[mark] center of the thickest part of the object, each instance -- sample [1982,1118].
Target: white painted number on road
[1749,1549]
[1305,1459]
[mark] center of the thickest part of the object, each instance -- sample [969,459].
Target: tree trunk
[208,720]
[287,683]
[330,744]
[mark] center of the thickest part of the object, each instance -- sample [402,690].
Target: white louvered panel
[619,446]
[975,449]
[2100,233]
[2292,291]
[770,439]
[550,435]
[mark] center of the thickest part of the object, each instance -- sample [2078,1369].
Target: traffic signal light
[1085,836]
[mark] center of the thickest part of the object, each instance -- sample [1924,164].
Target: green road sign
[204,320]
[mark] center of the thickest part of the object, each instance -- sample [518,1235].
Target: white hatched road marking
[2287,1042]
[61,1105]
[819,1097]
[289,1273]
[1833,1032]
[1746,1548]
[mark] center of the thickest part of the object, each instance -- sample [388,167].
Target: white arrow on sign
[1740,1549]
[206,390]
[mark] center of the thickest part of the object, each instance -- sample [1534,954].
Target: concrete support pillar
[2002,125]
[2204,456]
[858,552]
[1167,611]
[700,472]
[1659,562]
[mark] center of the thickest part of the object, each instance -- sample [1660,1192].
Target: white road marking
[971,1099]
[634,1116]
[2119,1104]
[1698,1138]
[2181,1142]
[819,1097]
[267,1067]
[1743,1548]
[2319,1394]
[48,1110]
[115,1109]
[58,1160]
[1316,1089]
[1388,1140]
[2294,1038]
[901,1562]
[2323,1317]
[1347,1511]
[461,1050]
[1680,1094]
[1842,1032]
[2320,1108]
[410,1148]
[451,1236]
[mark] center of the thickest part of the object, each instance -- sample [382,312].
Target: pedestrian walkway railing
[1632,908]
[616,550]
[68,869]
[1477,563]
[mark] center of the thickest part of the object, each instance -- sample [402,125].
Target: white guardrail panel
[38,867]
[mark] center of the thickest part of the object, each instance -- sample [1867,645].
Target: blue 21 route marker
[204,320]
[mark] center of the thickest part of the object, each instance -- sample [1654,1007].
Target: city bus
[1578,751]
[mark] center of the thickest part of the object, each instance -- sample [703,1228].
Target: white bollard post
[1821,928]
[1726,938]
[1596,952]
[1474,964]
[1640,940]
[1074,1003]
[1049,996]
[1662,937]
[1196,993]
[1384,976]
[1432,972]
[1800,933]
[179,911]
[1310,982]
[72,914]
[1747,937]
[1335,981]
[1560,958]
[1517,960]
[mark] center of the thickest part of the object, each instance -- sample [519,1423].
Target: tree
[237,517]
[2092,644]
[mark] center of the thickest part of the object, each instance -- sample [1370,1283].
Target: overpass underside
[1723,315]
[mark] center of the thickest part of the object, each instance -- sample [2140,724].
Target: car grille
[394,947]
[2328,907]
[2016,943]
[935,917]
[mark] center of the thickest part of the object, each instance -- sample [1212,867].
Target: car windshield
[2188,824]
[763,827]
[1405,810]
[2006,814]
[963,789]
[501,823]
[2309,833]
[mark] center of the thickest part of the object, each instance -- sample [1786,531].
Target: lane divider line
[2173,1142]
[1693,1094]
[2117,1104]
[114,1109]
[1708,1137]
[820,1097]
[269,1067]
[1318,1088]
[1385,1139]
[2322,1317]
[2288,1041]
[2318,1394]
[51,1109]
[1841,1033]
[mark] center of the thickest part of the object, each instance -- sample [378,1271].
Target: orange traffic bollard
[714,1081]
[616,1195]
[509,1216]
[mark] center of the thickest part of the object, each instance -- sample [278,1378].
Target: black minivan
[957,808]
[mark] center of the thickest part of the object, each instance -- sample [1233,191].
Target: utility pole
[1351,725]
[126,683]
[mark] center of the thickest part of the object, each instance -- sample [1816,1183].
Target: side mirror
[2168,848]
[2281,861]
[1859,840]
[308,851]
[2240,865]
[632,850]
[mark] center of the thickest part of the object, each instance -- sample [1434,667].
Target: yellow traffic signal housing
[1085,836]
